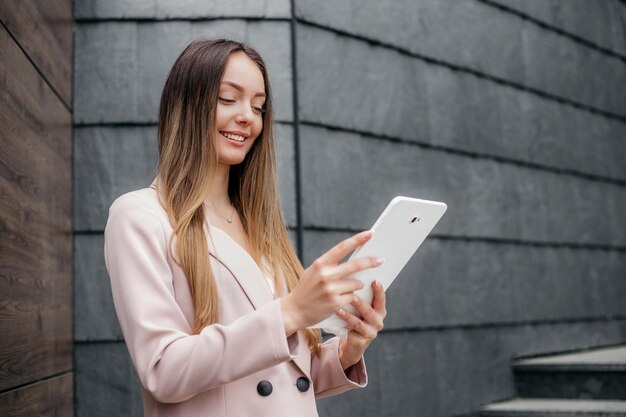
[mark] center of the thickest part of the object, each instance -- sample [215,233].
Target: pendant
[229,219]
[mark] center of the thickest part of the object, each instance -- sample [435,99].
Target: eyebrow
[240,88]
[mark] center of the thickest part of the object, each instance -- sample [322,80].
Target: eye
[258,110]
[226,100]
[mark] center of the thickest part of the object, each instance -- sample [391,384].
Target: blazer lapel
[252,282]
[241,265]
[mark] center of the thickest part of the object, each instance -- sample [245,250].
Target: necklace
[229,219]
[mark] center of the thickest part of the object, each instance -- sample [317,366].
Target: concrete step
[597,373]
[536,407]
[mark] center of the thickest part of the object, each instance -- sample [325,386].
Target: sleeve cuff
[332,379]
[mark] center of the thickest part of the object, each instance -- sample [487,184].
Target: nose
[244,116]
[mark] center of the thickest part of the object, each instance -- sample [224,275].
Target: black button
[303,384]
[264,388]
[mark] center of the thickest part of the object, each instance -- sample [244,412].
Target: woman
[211,298]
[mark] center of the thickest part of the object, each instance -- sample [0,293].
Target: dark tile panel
[94,312]
[106,382]
[121,67]
[475,35]
[599,23]
[348,179]
[471,283]
[195,9]
[371,89]
[109,162]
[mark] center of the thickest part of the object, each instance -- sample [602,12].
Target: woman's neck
[218,195]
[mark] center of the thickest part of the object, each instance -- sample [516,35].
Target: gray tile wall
[510,111]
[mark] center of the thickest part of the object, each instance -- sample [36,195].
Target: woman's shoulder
[142,198]
[141,205]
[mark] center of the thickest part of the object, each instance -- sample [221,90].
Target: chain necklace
[229,219]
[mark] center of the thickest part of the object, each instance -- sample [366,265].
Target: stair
[527,407]
[588,383]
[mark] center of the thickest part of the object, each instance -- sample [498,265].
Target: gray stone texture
[479,292]
[286,171]
[120,67]
[378,90]
[94,312]
[110,161]
[105,381]
[485,198]
[478,36]
[460,283]
[449,372]
[190,9]
[601,24]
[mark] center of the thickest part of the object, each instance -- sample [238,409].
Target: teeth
[233,136]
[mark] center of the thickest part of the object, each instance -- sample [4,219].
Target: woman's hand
[323,288]
[362,331]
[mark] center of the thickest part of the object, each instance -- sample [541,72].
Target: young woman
[211,298]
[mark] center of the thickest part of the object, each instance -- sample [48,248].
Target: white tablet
[396,235]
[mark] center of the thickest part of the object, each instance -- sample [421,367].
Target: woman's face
[238,117]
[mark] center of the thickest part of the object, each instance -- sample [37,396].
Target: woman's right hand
[323,288]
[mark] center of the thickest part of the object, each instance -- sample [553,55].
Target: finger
[356,265]
[370,316]
[379,303]
[347,285]
[343,300]
[357,324]
[340,250]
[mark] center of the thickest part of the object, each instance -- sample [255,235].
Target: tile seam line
[478,74]
[460,326]
[147,19]
[37,381]
[296,130]
[470,154]
[492,240]
[489,325]
[377,136]
[443,237]
[38,70]
[560,31]
[73,208]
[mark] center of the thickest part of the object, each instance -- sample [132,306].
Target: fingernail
[355,299]
[379,261]
[367,233]
[341,312]
[379,285]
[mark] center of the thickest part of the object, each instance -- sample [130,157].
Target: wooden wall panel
[49,398]
[35,218]
[44,30]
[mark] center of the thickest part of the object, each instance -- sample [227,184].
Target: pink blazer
[242,366]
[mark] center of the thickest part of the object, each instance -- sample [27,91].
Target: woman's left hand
[362,331]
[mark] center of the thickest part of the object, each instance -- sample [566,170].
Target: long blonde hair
[187,162]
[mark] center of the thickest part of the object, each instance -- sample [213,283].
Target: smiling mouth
[232,136]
